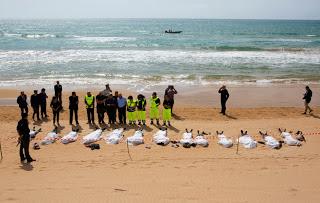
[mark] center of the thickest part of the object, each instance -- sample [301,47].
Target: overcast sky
[230,9]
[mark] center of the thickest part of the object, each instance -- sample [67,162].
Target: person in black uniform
[35,103]
[307,99]
[58,92]
[23,104]
[43,103]
[24,138]
[111,106]
[224,97]
[100,99]
[56,108]
[73,107]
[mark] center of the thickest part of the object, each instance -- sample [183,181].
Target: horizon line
[157,18]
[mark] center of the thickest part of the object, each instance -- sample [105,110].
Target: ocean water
[137,51]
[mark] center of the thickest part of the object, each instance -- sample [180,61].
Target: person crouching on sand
[307,99]
[166,114]
[131,108]
[24,138]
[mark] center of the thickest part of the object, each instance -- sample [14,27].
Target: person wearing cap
[106,92]
[307,99]
[224,97]
[122,106]
[89,101]
[43,103]
[166,114]
[154,108]
[24,138]
[56,108]
[170,92]
[131,109]
[101,108]
[22,102]
[58,92]
[73,107]
[35,103]
[141,109]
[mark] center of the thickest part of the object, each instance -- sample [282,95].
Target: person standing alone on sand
[73,107]
[224,97]
[43,103]
[35,103]
[170,92]
[58,92]
[24,138]
[307,99]
[23,104]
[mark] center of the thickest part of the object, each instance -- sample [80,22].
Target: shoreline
[244,96]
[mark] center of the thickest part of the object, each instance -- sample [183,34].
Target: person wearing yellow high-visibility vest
[154,108]
[131,108]
[89,101]
[166,114]
[141,109]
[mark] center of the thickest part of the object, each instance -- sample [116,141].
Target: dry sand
[73,173]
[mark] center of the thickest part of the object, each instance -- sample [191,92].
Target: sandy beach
[74,173]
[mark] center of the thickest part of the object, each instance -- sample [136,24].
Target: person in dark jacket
[111,106]
[122,108]
[56,108]
[23,104]
[43,103]
[101,109]
[73,107]
[24,138]
[170,92]
[224,98]
[58,92]
[307,99]
[35,103]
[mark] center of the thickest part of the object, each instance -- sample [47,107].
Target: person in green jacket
[154,108]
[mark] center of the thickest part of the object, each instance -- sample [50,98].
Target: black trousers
[43,110]
[122,115]
[172,106]
[36,112]
[100,113]
[56,116]
[59,96]
[90,115]
[75,112]
[112,115]
[24,110]
[24,148]
[223,106]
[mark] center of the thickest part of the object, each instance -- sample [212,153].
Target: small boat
[172,32]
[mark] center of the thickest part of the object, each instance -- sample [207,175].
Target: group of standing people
[131,108]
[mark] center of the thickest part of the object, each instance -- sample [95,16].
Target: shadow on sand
[26,167]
